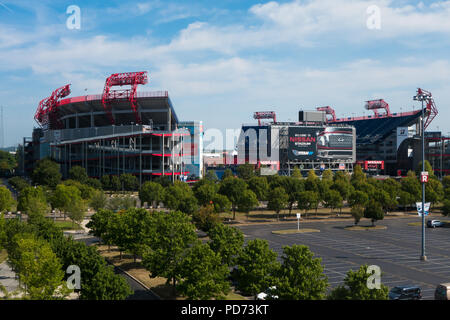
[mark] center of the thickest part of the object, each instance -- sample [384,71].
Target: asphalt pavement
[395,250]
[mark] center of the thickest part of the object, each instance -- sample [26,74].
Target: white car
[434,223]
[266,294]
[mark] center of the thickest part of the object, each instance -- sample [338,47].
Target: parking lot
[395,250]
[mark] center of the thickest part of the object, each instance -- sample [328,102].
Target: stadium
[308,144]
[118,131]
[386,143]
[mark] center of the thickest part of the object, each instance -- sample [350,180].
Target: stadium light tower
[423,96]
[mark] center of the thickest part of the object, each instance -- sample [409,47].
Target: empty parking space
[396,250]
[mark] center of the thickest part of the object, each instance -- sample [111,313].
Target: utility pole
[421,96]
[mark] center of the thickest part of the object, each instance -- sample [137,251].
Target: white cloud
[222,73]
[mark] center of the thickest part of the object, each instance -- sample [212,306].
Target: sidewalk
[7,278]
[80,234]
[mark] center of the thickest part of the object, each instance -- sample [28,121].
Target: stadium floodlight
[423,96]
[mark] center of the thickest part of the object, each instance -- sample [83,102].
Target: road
[396,250]
[140,292]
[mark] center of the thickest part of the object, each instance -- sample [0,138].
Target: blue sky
[223,60]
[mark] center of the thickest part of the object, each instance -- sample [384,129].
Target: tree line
[169,247]
[366,197]
[40,254]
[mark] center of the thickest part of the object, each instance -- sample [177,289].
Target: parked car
[267,294]
[434,223]
[405,293]
[442,292]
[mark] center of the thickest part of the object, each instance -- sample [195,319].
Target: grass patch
[262,214]
[68,225]
[235,296]
[3,255]
[357,228]
[291,231]
[136,269]
[415,224]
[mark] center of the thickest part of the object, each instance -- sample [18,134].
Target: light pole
[421,97]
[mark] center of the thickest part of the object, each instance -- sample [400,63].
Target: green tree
[205,193]
[446,207]
[358,198]
[257,265]
[133,234]
[374,211]
[296,173]
[226,241]
[79,174]
[343,187]
[247,201]
[278,200]
[392,187]
[446,186]
[327,175]
[293,188]
[386,201]
[46,173]
[221,203]
[32,200]
[341,175]
[211,176]
[428,168]
[357,212]
[86,191]
[170,237]
[355,287]
[94,183]
[3,236]
[65,198]
[312,181]
[7,163]
[358,176]
[332,199]
[129,182]
[98,282]
[76,209]
[227,174]
[203,276]
[98,200]
[205,218]
[118,203]
[434,191]
[180,197]
[106,182]
[106,285]
[6,199]
[114,183]
[259,186]
[245,171]
[98,225]
[405,199]
[18,183]
[40,271]
[300,276]
[411,185]
[307,200]
[152,193]
[233,188]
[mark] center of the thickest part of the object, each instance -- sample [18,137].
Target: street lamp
[421,96]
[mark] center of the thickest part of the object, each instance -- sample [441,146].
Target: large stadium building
[386,143]
[310,143]
[119,131]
